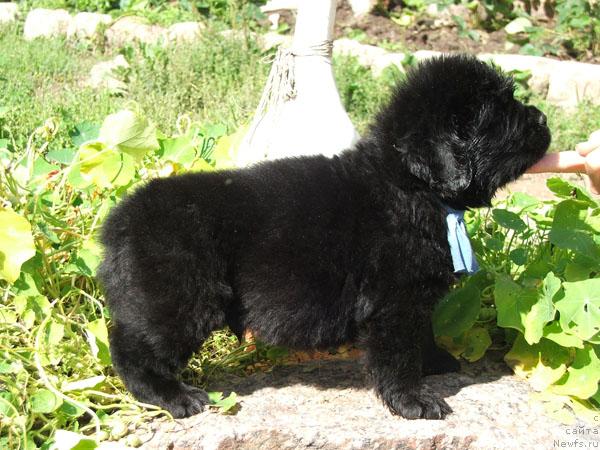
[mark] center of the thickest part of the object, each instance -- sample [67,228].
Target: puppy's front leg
[395,341]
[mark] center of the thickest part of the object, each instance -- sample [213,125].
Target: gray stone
[384,61]
[129,29]
[84,25]
[327,405]
[366,54]
[271,39]
[102,75]
[46,23]
[362,7]
[185,32]
[8,12]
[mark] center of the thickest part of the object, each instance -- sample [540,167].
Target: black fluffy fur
[313,252]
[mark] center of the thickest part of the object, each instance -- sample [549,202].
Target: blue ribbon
[463,258]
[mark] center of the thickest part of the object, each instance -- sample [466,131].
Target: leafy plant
[537,296]
[56,379]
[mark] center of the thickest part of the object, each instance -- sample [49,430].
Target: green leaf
[554,332]
[583,375]
[68,440]
[16,244]
[542,311]
[104,167]
[224,404]
[54,333]
[180,150]
[513,302]
[580,308]
[523,201]
[99,344]
[509,219]
[542,364]
[63,156]
[130,133]
[457,312]
[477,341]
[570,230]
[44,402]
[85,132]
[519,256]
[564,189]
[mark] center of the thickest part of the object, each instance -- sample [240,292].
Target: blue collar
[463,258]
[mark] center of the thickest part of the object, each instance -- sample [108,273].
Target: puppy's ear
[443,165]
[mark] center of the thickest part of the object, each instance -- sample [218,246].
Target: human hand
[590,150]
[586,159]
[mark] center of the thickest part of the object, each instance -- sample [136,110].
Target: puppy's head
[455,126]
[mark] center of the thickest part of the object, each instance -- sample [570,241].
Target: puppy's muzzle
[538,117]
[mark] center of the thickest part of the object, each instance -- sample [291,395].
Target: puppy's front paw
[417,406]
[186,402]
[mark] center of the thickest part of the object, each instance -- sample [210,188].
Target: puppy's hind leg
[159,321]
[394,341]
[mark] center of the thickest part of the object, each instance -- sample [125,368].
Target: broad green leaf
[68,440]
[103,166]
[570,230]
[583,375]
[180,150]
[508,219]
[542,311]
[457,312]
[98,330]
[44,401]
[200,165]
[523,201]
[84,132]
[519,256]
[130,133]
[563,188]
[542,364]
[7,399]
[477,341]
[226,150]
[63,156]
[54,332]
[580,308]
[16,244]
[86,383]
[224,404]
[513,302]
[554,332]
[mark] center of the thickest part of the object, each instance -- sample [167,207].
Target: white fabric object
[313,120]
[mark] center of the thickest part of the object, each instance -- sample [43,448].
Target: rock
[574,82]
[102,75]
[327,405]
[274,21]
[362,7]
[366,54]
[131,28]
[8,12]
[541,68]
[46,23]
[84,25]
[184,32]
[564,83]
[271,39]
[384,61]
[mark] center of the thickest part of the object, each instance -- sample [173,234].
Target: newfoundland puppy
[314,252]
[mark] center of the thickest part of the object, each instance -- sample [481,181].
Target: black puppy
[314,252]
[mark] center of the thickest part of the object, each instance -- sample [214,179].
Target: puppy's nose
[542,118]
